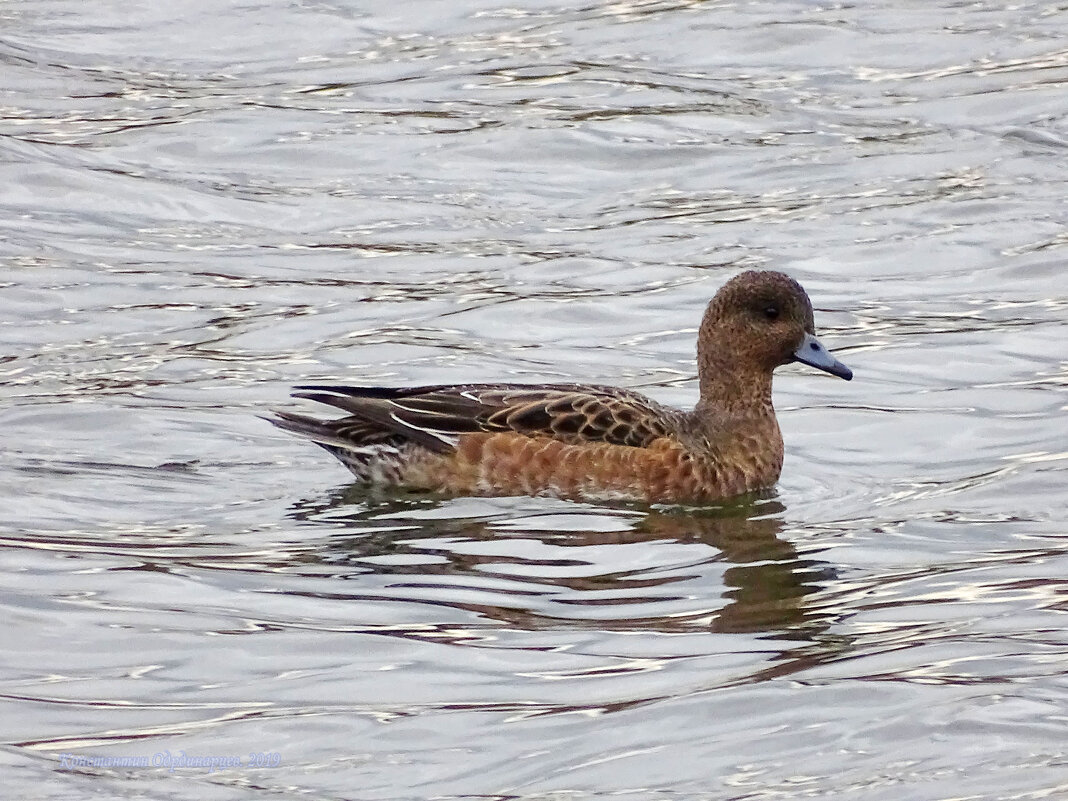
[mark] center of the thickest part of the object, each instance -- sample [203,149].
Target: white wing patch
[448,439]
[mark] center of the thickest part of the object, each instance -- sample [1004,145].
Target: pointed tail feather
[318,431]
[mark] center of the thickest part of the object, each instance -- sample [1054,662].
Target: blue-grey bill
[812,353]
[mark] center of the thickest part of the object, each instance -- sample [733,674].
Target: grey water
[202,204]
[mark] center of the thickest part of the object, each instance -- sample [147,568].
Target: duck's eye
[771,312]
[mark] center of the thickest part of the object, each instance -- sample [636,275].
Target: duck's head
[757,321]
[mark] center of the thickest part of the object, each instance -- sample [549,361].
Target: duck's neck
[728,391]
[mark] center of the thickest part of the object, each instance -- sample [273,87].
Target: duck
[583,441]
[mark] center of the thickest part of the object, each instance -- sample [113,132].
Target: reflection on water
[557,573]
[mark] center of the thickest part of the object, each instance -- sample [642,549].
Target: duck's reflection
[741,577]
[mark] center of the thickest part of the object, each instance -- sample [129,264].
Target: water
[203,204]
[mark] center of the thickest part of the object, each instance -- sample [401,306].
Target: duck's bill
[812,353]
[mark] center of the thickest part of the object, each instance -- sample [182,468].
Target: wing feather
[436,416]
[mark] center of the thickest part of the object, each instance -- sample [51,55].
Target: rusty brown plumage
[592,442]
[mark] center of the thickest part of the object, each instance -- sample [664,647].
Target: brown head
[757,321]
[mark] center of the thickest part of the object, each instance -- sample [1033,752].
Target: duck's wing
[437,416]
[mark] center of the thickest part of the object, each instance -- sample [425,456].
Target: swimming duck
[585,441]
